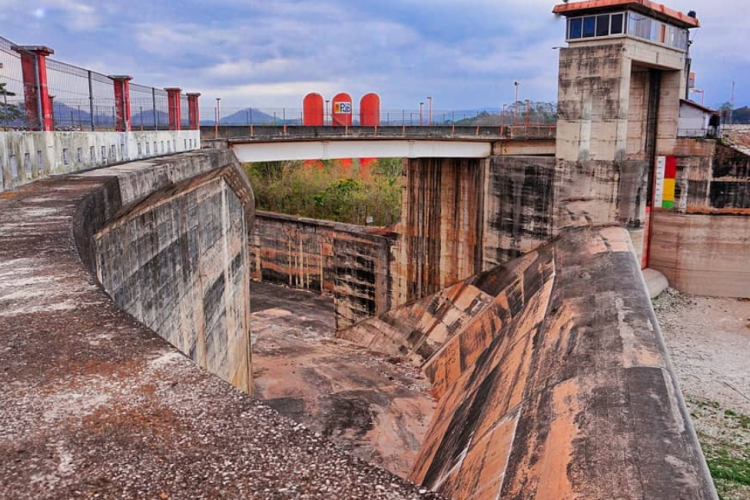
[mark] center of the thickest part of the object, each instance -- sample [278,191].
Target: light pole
[515,105]
[421,114]
[429,112]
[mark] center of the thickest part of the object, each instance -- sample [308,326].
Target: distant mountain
[79,117]
[248,116]
[146,119]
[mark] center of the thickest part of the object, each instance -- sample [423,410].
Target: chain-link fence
[80,99]
[12,104]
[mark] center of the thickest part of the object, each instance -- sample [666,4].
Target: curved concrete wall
[177,260]
[553,380]
[94,404]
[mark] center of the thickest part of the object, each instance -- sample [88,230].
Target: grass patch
[735,469]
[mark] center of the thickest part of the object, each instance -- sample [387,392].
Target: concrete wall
[440,231]
[350,262]
[703,254]
[552,380]
[175,257]
[29,156]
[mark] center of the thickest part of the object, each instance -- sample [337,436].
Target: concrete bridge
[324,143]
[513,282]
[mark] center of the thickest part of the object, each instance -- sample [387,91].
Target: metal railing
[521,114]
[698,133]
[80,99]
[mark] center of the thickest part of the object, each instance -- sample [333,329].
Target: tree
[8,112]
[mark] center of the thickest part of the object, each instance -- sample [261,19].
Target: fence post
[36,96]
[173,98]
[122,103]
[156,116]
[194,111]
[91,102]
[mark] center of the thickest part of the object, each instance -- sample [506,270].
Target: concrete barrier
[29,156]
[553,380]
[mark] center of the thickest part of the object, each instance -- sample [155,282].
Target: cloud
[465,54]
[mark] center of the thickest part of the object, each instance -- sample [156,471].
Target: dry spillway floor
[709,342]
[376,407]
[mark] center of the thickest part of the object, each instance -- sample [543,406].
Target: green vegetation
[328,190]
[724,435]
[8,112]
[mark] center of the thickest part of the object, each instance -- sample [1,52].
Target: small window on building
[27,164]
[589,27]
[104,153]
[575,28]
[602,25]
[617,24]
[80,155]
[174,144]
[39,165]
[148,148]
[65,156]
[92,154]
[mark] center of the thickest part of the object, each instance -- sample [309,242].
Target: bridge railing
[522,114]
[41,93]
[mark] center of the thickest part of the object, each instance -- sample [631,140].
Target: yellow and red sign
[666,174]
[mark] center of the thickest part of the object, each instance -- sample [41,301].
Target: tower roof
[648,7]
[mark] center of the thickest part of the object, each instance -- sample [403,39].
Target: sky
[466,54]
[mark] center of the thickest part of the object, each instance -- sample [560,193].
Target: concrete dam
[499,341]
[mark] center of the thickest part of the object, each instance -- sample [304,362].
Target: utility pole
[515,104]
[421,114]
[429,113]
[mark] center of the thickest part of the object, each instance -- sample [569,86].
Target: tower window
[589,27]
[617,24]
[575,27]
[602,25]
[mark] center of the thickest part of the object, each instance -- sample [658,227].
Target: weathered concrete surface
[178,262]
[561,387]
[350,262]
[96,405]
[377,407]
[440,231]
[29,156]
[703,254]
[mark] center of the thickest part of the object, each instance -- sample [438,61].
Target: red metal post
[122,102]
[173,100]
[36,94]
[194,111]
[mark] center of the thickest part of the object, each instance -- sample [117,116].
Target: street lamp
[515,105]
[429,112]
[421,114]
